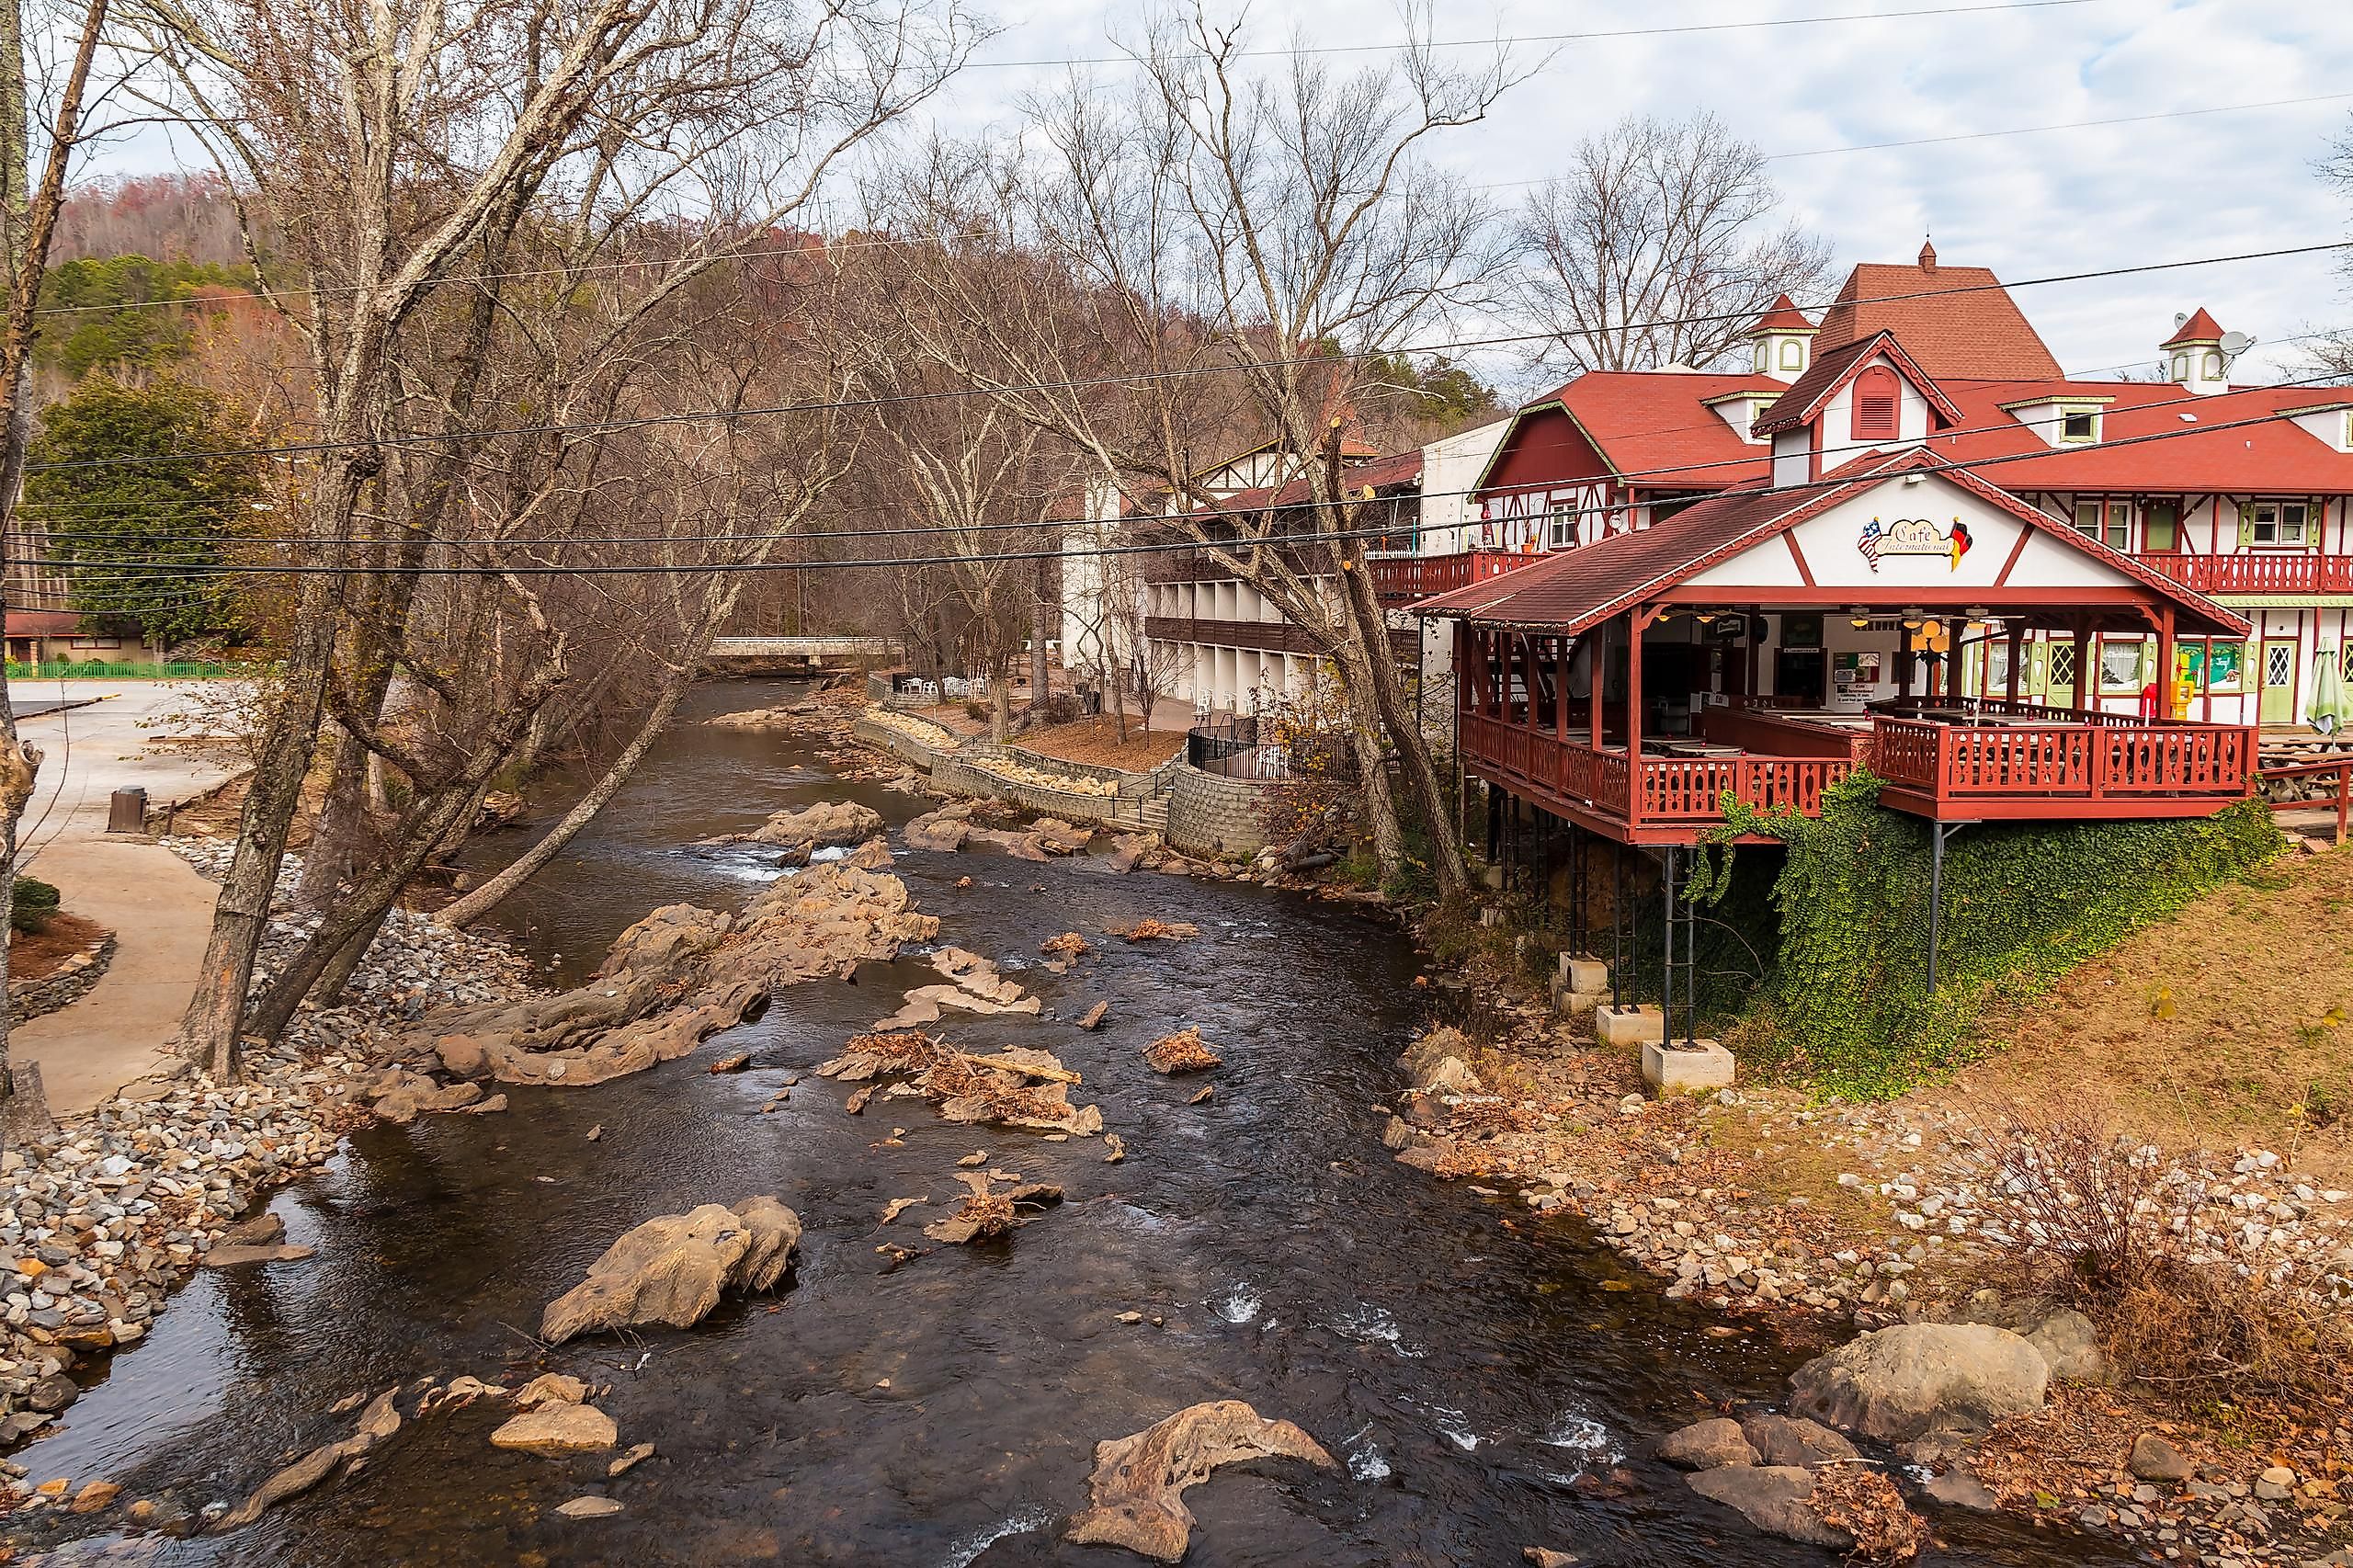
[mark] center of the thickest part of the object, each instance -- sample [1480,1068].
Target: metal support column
[1617,925]
[1666,927]
[1938,833]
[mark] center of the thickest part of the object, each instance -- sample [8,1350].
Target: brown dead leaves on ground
[1181,1052]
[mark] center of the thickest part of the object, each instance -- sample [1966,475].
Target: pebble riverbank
[99,1222]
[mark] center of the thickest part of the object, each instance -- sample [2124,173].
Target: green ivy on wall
[1846,1005]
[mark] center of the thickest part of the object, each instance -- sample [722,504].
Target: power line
[1593,36]
[884,243]
[1236,545]
[1127,378]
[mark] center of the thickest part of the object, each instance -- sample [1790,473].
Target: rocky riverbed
[100,1222]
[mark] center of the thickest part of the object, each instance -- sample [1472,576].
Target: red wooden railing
[1675,790]
[1962,762]
[2259,572]
[1403,579]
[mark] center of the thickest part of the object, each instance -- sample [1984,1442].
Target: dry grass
[2103,1223]
[1866,1504]
[1096,742]
[2224,1026]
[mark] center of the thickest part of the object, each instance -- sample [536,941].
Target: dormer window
[1792,353]
[1761,359]
[2076,424]
[2181,367]
[1874,417]
[2213,372]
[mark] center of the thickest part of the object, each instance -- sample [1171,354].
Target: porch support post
[1938,833]
[1561,687]
[1597,664]
[1636,620]
[2165,662]
[2017,652]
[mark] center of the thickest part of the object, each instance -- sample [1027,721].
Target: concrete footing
[1686,1067]
[1585,977]
[1629,1026]
[1573,1004]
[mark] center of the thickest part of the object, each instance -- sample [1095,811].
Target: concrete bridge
[809,651]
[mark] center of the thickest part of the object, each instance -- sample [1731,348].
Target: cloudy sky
[2029,206]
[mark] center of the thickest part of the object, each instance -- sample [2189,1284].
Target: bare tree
[2328,356]
[1216,240]
[456,129]
[1659,246]
[28,215]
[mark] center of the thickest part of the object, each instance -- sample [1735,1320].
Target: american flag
[1869,544]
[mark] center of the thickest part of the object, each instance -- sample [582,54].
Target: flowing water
[1475,1381]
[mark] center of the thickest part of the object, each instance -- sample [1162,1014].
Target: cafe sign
[1914,536]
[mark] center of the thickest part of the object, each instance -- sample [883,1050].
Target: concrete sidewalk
[160,909]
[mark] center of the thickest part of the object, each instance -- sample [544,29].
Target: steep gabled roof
[1653,427]
[1832,368]
[1577,589]
[2199,328]
[1956,321]
[1783,315]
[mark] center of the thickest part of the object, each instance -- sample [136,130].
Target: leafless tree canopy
[1658,247]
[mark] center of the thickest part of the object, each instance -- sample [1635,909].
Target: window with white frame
[2109,521]
[2289,523]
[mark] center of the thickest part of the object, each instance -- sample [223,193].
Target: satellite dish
[2237,343]
[2179,318]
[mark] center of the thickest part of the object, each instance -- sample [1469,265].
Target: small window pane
[2077,427]
[2087,517]
[2158,529]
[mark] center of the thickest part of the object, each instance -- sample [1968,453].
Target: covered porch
[1760,649]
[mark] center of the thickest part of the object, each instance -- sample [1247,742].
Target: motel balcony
[1978,759]
[1400,580]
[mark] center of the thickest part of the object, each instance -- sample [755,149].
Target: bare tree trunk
[1403,725]
[339,970]
[211,1030]
[1041,623]
[488,896]
[338,841]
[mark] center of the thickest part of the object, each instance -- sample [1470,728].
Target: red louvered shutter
[1875,405]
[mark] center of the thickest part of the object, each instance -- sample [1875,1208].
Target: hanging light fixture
[1913,615]
[1858,618]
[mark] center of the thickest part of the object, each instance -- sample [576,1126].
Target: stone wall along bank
[1209,814]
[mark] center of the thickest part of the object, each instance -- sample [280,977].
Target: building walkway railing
[1407,579]
[2259,572]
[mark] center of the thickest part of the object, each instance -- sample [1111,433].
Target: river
[1475,1381]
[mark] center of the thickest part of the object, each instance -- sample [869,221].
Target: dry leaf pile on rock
[1863,1502]
[1069,945]
[680,975]
[1018,1087]
[1153,929]
[1140,1481]
[986,1212]
[1181,1052]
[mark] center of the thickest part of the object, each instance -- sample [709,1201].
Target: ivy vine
[1847,1004]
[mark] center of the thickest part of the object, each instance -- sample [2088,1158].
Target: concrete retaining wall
[906,748]
[1212,815]
[35,998]
[959,777]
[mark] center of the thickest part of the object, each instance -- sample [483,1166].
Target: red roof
[2234,442]
[1832,368]
[44,622]
[1956,321]
[1655,426]
[2198,328]
[1576,589]
[1782,316]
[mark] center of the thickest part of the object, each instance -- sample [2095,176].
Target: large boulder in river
[944,829]
[812,828]
[1706,1445]
[1139,1482]
[1903,1383]
[556,1431]
[671,1269]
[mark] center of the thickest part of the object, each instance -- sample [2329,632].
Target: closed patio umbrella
[2325,711]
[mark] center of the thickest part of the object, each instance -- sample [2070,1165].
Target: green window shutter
[2246,524]
[2314,510]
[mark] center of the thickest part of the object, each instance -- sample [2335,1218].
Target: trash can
[127,813]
